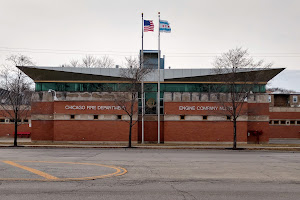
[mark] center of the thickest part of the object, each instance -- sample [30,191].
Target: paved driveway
[41,173]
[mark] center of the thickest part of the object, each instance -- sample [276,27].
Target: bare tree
[74,63]
[240,75]
[105,62]
[280,90]
[15,96]
[127,97]
[90,61]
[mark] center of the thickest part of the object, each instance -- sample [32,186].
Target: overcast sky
[53,32]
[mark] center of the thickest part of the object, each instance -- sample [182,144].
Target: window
[25,120]
[228,117]
[119,116]
[72,116]
[283,122]
[295,99]
[270,98]
[12,120]
[276,122]
[270,122]
[149,87]
[292,122]
[2,120]
[204,117]
[182,117]
[95,116]
[298,122]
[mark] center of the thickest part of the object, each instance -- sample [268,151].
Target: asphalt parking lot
[71,173]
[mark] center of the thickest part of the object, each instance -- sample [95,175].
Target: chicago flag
[164,26]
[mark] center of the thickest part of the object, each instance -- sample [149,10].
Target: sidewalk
[26,142]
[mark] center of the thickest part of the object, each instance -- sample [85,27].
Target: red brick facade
[181,122]
[7,128]
[214,127]
[284,125]
[47,127]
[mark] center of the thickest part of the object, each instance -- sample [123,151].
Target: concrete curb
[242,148]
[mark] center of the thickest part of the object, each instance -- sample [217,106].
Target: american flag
[148,25]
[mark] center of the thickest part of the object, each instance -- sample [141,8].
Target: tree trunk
[16,128]
[130,131]
[234,133]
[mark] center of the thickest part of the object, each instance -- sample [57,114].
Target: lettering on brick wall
[211,108]
[74,107]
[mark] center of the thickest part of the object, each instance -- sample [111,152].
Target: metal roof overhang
[60,74]
[261,76]
[43,75]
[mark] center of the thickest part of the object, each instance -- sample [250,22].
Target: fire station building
[77,104]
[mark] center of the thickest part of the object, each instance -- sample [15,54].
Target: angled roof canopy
[72,74]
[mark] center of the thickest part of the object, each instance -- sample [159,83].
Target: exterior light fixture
[54,98]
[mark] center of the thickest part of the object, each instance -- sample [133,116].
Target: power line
[252,56]
[64,50]
[123,53]
[66,53]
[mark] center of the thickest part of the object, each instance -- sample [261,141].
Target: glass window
[283,122]
[38,86]
[60,87]
[71,87]
[48,86]
[148,87]
[295,99]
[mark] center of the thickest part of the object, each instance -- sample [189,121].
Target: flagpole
[158,83]
[142,92]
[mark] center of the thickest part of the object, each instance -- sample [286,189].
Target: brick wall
[259,126]
[46,127]
[42,130]
[150,131]
[93,131]
[7,130]
[191,131]
[258,108]
[286,130]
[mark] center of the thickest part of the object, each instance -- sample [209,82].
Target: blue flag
[164,26]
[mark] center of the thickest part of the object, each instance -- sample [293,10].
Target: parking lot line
[35,171]
[119,171]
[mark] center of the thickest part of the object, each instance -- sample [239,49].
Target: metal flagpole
[142,92]
[158,83]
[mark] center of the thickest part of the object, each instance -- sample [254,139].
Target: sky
[53,32]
